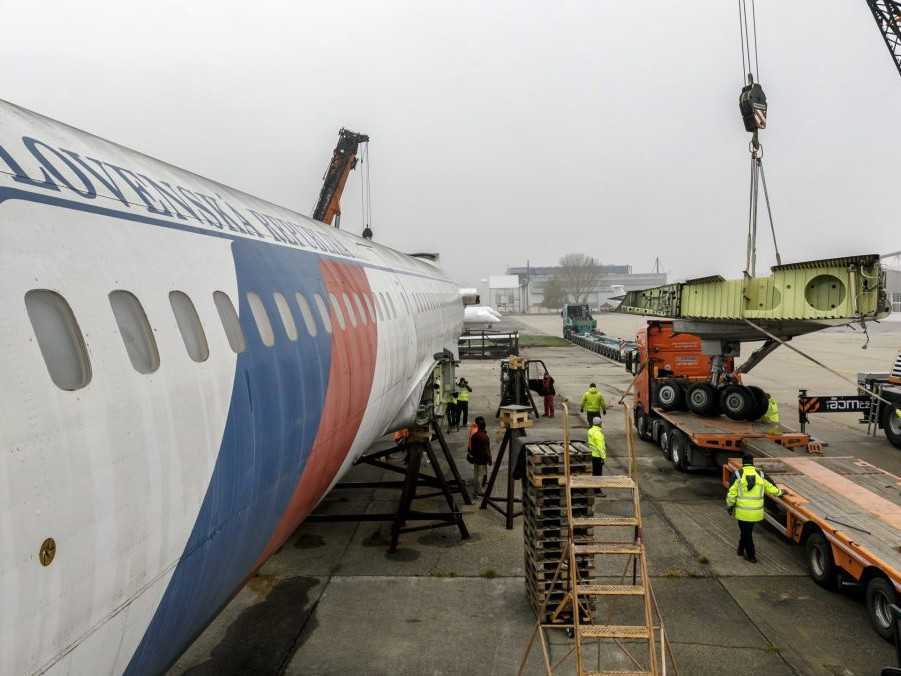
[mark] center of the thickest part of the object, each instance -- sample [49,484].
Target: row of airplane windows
[62,344]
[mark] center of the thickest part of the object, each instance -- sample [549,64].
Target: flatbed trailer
[846,513]
[598,342]
[691,441]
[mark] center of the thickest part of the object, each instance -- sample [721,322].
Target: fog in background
[501,131]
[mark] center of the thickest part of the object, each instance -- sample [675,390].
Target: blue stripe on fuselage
[276,405]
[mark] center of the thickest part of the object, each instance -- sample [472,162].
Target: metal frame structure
[887,14]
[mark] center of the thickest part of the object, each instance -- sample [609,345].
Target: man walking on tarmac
[548,391]
[745,502]
[593,403]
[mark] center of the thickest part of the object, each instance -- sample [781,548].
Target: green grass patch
[542,341]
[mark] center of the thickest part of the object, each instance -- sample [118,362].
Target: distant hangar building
[613,281]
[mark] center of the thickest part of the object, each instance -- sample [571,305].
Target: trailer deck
[721,433]
[857,503]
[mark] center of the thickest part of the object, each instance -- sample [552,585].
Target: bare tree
[578,276]
[554,293]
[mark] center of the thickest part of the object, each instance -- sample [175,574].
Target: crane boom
[888,19]
[344,159]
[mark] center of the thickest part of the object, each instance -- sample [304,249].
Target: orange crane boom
[344,159]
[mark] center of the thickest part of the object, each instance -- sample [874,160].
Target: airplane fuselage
[186,372]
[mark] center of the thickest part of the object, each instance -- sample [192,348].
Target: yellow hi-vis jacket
[597,443]
[463,395]
[593,400]
[748,502]
[772,412]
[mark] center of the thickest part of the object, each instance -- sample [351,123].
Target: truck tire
[665,439]
[820,563]
[702,399]
[762,402]
[737,402]
[679,446]
[891,425]
[670,396]
[880,596]
[642,425]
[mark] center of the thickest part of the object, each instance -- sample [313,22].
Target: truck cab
[577,319]
[694,405]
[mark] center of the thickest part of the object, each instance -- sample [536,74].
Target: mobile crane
[344,159]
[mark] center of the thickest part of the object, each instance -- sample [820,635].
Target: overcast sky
[501,131]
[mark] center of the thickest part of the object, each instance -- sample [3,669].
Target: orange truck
[846,513]
[695,406]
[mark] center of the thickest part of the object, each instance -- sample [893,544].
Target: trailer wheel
[891,425]
[670,396]
[702,399]
[737,402]
[880,597]
[665,439]
[761,402]
[678,449]
[820,563]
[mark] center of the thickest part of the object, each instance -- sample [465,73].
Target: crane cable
[749,77]
[366,190]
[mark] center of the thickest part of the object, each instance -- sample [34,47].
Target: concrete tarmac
[334,601]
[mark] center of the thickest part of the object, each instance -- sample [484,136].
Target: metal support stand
[413,479]
[404,512]
[508,509]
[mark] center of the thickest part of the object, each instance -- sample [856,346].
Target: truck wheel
[665,439]
[737,402]
[891,425]
[678,449]
[642,426]
[820,563]
[702,399]
[880,597]
[670,396]
[761,402]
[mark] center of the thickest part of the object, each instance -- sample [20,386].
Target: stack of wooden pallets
[545,527]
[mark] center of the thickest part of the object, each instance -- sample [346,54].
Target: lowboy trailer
[846,513]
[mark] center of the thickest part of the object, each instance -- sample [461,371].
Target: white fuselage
[165,457]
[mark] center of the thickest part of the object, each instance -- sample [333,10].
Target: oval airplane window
[284,311]
[361,309]
[306,314]
[189,325]
[261,318]
[230,321]
[350,310]
[59,339]
[135,331]
[323,312]
[337,310]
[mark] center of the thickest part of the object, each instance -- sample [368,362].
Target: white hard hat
[596,421]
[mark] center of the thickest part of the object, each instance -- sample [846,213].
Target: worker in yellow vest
[745,502]
[463,391]
[598,445]
[593,403]
[772,410]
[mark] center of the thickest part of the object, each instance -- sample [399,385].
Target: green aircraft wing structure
[794,299]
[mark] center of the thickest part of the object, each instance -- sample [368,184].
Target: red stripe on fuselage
[351,373]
